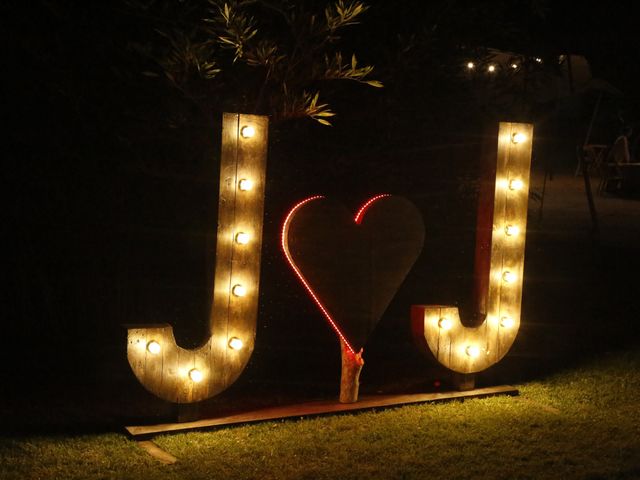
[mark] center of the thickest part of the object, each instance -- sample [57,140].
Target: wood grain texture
[166,374]
[473,349]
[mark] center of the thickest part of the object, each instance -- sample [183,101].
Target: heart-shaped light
[352,266]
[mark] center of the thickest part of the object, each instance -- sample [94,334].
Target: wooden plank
[322,407]
[156,452]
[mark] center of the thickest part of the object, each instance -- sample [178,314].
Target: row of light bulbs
[508,277]
[238,290]
[492,68]
[195,375]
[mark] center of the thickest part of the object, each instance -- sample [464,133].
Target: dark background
[111,187]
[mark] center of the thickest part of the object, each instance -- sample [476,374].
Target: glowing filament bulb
[245,184]
[195,375]
[491,68]
[471,65]
[514,65]
[509,277]
[153,347]
[242,238]
[506,322]
[518,137]
[512,230]
[516,184]
[538,60]
[473,351]
[247,131]
[235,343]
[445,323]
[239,290]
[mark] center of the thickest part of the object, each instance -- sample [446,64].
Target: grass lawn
[581,423]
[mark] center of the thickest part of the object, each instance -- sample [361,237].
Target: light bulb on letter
[239,290]
[473,351]
[235,343]
[518,137]
[512,230]
[153,347]
[445,323]
[247,131]
[516,184]
[195,375]
[509,277]
[245,184]
[506,322]
[242,238]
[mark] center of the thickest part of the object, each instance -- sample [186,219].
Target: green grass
[583,423]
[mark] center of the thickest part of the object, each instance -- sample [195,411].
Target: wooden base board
[321,407]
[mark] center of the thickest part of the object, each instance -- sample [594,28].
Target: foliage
[578,424]
[268,57]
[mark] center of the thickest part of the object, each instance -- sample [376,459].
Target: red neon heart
[352,267]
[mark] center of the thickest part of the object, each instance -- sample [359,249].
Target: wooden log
[352,364]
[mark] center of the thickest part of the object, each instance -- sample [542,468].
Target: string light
[491,68]
[516,184]
[471,65]
[235,343]
[242,238]
[506,322]
[445,323]
[239,290]
[512,230]
[514,66]
[153,347]
[538,60]
[247,131]
[518,137]
[509,277]
[473,351]
[245,184]
[195,375]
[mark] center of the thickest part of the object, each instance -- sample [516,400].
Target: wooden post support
[464,381]
[350,379]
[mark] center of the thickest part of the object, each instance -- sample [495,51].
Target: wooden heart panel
[352,266]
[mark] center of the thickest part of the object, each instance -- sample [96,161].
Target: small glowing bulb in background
[512,230]
[153,347]
[538,60]
[514,66]
[518,137]
[516,184]
[239,290]
[245,184]
[235,343]
[471,65]
[195,375]
[473,351]
[445,323]
[242,238]
[506,322]
[247,131]
[491,68]
[509,277]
